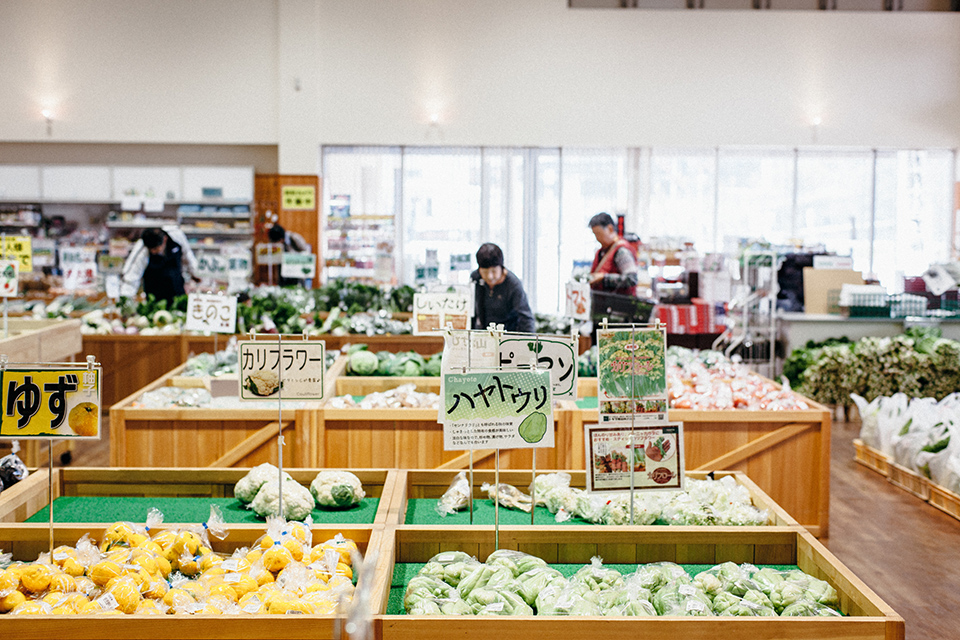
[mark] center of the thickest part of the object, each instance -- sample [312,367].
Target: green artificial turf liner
[403,572]
[183,510]
[422,511]
[588,403]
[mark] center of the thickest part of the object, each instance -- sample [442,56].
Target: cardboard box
[818,283]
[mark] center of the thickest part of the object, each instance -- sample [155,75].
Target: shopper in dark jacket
[498,294]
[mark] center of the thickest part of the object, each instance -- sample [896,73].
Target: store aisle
[905,550]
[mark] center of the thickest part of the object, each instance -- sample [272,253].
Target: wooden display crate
[940,497]
[786,453]
[871,458]
[26,541]
[909,481]
[197,437]
[431,484]
[365,385]
[867,617]
[132,362]
[32,494]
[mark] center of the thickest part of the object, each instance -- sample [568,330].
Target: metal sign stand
[280,422]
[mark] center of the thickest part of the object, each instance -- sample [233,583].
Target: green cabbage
[362,363]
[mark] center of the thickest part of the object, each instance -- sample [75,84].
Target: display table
[797,328]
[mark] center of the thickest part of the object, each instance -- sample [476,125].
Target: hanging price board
[652,454]
[296,364]
[553,353]
[298,265]
[41,402]
[211,312]
[9,278]
[578,300]
[631,374]
[434,311]
[502,410]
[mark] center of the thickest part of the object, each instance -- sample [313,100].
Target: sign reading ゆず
[211,312]
[502,410]
[19,248]
[50,403]
[293,369]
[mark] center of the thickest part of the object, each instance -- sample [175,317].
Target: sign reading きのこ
[9,278]
[502,410]
[211,312]
[50,403]
[296,364]
[434,311]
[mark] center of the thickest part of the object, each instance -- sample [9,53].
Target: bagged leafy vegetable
[572,599]
[456,497]
[450,566]
[535,580]
[598,578]
[655,575]
[680,598]
[785,594]
[637,608]
[488,602]
[423,587]
[517,562]
[508,496]
[485,576]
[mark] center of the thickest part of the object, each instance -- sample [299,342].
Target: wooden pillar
[299,214]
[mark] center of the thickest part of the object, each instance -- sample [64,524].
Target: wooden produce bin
[132,362]
[424,345]
[786,453]
[365,385]
[866,617]
[197,437]
[31,495]
[431,484]
[26,541]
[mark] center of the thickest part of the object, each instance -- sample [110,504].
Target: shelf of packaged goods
[192,231]
[139,224]
[219,215]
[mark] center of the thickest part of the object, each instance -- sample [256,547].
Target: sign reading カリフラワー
[296,364]
[50,403]
[501,410]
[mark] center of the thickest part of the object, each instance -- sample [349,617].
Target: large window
[755,197]
[682,197]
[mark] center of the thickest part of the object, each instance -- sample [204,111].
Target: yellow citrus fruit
[148,608]
[105,571]
[178,598]
[223,590]
[156,589]
[9,580]
[63,582]
[63,610]
[31,608]
[84,419]
[36,578]
[11,601]
[88,608]
[127,594]
[276,558]
[73,568]
[295,547]
[281,606]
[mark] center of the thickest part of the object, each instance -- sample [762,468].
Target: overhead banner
[653,455]
[211,312]
[632,374]
[435,311]
[503,410]
[296,364]
[41,402]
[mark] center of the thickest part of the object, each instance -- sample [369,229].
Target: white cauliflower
[248,486]
[337,489]
[297,500]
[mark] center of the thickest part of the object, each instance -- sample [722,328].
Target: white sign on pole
[79,266]
[468,350]
[652,454]
[299,368]
[578,300]
[434,311]
[269,253]
[554,353]
[938,280]
[298,265]
[9,278]
[211,312]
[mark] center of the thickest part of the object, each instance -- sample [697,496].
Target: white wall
[533,72]
[139,70]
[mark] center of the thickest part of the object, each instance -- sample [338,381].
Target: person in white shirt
[162,261]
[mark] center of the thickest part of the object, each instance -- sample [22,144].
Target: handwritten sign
[79,266]
[653,456]
[553,353]
[468,351]
[298,265]
[578,300]
[19,248]
[269,253]
[631,374]
[211,312]
[297,365]
[503,410]
[50,403]
[9,278]
[434,311]
[220,266]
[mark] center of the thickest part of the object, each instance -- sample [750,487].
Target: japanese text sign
[19,248]
[468,350]
[298,265]
[211,312]
[299,368]
[556,354]
[269,253]
[654,455]
[9,277]
[578,300]
[50,403]
[502,410]
[433,311]
[110,265]
[79,266]
[631,374]
[299,198]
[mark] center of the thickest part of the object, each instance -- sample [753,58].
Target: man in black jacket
[498,294]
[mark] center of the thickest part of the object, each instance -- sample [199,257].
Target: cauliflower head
[337,489]
[297,501]
[248,486]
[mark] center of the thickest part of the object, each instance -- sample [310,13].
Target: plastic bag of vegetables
[490,602]
[450,566]
[337,489]
[680,598]
[598,578]
[535,580]
[456,497]
[806,607]
[427,587]
[508,496]
[517,562]
[485,576]
[655,575]
[570,599]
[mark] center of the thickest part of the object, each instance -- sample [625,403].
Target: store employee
[498,294]
[614,267]
[162,261]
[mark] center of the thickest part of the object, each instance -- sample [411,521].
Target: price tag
[107,602]
[578,300]
[553,353]
[434,311]
[298,265]
[654,456]
[211,312]
[50,403]
[299,367]
[9,278]
[503,410]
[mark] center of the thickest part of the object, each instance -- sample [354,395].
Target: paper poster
[9,278]
[435,311]
[50,403]
[578,300]
[631,374]
[654,455]
[19,248]
[211,312]
[465,351]
[79,267]
[110,265]
[269,253]
[298,265]
[554,353]
[44,252]
[503,410]
[298,198]
[298,371]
